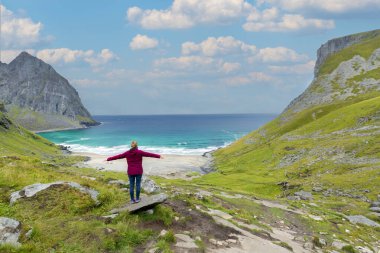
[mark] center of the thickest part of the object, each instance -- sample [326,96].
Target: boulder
[29,233]
[9,231]
[185,244]
[338,244]
[31,190]
[219,213]
[145,204]
[375,204]
[304,195]
[362,249]
[294,198]
[108,218]
[163,233]
[149,186]
[317,189]
[375,209]
[362,220]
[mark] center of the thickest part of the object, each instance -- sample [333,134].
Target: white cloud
[229,67]
[218,46]
[187,13]
[260,77]
[277,54]
[143,42]
[105,56]
[330,6]
[286,23]
[18,32]
[187,63]
[194,65]
[266,15]
[250,78]
[300,69]
[67,55]
[64,55]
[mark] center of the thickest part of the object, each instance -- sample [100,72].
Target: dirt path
[248,242]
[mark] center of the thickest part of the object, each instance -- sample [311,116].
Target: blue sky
[182,56]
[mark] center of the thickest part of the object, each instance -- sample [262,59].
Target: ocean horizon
[179,134]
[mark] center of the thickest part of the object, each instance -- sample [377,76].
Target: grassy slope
[251,164]
[37,121]
[63,219]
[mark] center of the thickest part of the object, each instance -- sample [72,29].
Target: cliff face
[346,67]
[336,45]
[38,98]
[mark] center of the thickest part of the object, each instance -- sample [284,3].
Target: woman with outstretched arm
[134,158]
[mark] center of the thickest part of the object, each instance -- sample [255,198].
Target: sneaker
[133,201]
[137,201]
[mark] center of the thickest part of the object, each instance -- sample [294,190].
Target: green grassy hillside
[63,219]
[38,121]
[15,139]
[333,145]
[338,148]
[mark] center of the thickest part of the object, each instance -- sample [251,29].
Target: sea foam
[104,150]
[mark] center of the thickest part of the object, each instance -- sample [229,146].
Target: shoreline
[65,129]
[59,129]
[172,166]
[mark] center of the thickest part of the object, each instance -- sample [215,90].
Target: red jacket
[134,159]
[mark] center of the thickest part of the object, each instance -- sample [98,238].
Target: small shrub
[348,249]
[169,237]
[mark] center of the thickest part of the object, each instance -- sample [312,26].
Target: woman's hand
[161,157]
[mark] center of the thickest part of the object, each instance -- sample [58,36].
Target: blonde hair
[134,144]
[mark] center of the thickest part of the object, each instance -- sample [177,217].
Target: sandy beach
[172,166]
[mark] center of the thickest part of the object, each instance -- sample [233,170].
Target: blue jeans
[134,179]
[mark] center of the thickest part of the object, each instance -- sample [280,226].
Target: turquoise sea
[165,134]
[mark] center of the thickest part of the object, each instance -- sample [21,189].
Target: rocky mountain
[39,98]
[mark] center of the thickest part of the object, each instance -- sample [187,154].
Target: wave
[76,140]
[103,150]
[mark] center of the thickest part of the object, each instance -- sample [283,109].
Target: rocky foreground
[209,221]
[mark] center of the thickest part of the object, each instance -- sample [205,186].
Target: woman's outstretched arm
[147,154]
[120,156]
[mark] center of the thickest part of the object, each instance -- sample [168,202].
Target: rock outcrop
[355,219]
[336,45]
[31,190]
[9,231]
[145,204]
[352,77]
[39,98]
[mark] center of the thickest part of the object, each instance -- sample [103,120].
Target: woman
[134,158]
